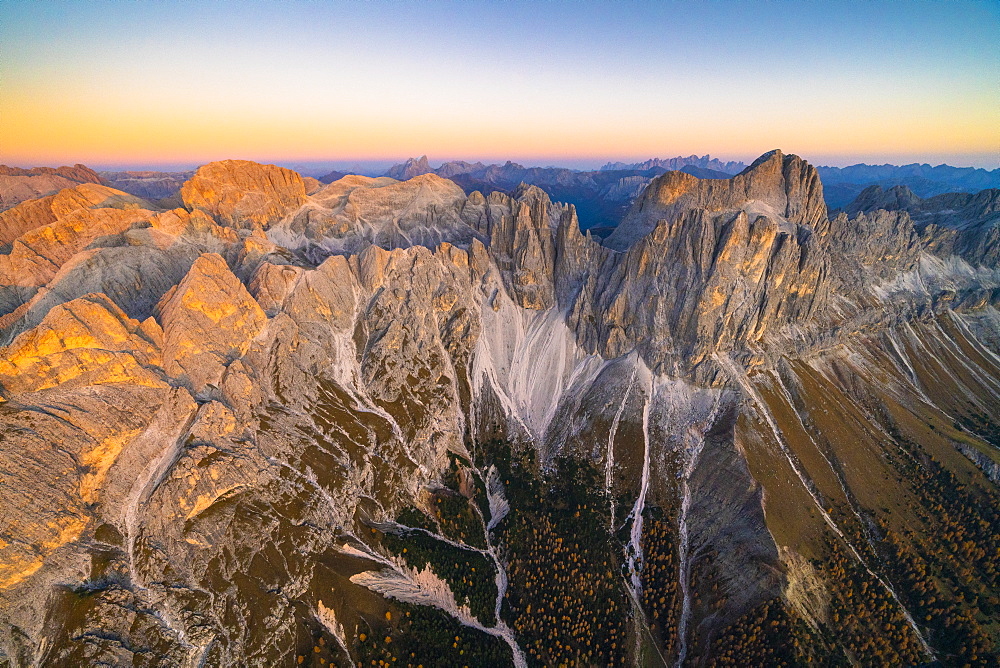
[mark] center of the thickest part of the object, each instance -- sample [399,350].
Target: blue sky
[547,82]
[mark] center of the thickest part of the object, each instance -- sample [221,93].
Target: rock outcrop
[968,223]
[209,320]
[37,213]
[781,187]
[244,194]
[357,211]
[873,198]
[86,341]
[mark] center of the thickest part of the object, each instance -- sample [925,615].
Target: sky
[176,84]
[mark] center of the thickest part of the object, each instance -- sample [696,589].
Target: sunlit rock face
[244,194]
[381,420]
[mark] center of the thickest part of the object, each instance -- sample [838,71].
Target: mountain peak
[527,192]
[410,168]
[874,197]
[774,155]
[777,185]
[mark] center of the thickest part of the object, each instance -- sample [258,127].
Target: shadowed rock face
[147,184]
[286,423]
[967,222]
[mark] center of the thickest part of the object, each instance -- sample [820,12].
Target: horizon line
[558,162]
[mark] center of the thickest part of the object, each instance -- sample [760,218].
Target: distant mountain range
[843,184]
[677,164]
[601,196]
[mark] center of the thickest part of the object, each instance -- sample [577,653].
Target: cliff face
[276,422]
[967,222]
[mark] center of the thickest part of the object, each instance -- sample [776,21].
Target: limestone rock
[776,185]
[36,256]
[37,213]
[357,211]
[312,185]
[964,223]
[47,233]
[874,198]
[243,194]
[520,231]
[59,445]
[884,242]
[209,320]
[135,277]
[84,341]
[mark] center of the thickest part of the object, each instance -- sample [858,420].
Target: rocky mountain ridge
[600,196]
[18,185]
[968,221]
[676,164]
[845,183]
[384,420]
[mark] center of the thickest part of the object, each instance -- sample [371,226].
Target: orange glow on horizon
[38,132]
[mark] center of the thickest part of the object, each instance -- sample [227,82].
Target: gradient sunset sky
[572,83]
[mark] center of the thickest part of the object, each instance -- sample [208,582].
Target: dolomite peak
[244,194]
[784,187]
